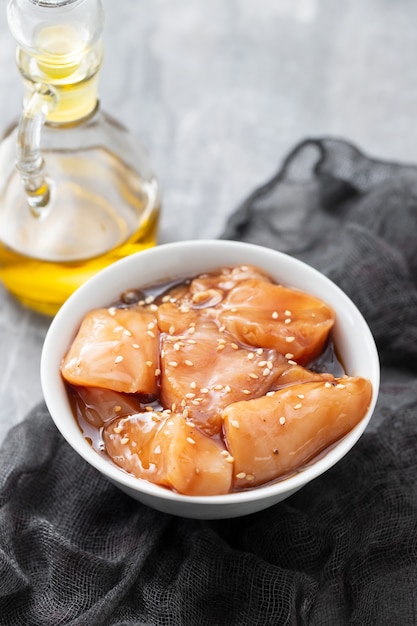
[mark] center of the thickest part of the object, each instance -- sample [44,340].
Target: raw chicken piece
[226,279]
[272,316]
[275,435]
[99,406]
[176,318]
[117,349]
[204,370]
[169,451]
[295,374]
[209,290]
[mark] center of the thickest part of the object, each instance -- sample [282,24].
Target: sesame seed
[275,315]
[173,407]
[188,363]
[149,363]
[149,299]
[165,299]
[259,351]
[266,372]
[234,310]
[288,320]
[251,356]
[184,308]
[127,333]
[227,388]
[282,420]
[118,359]
[191,440]
[117,408]
[171,330]
[117,429]
[157,450]
[289,355]
[290,362]
[288,313]
[124,440]
[270,393]
[289,339]
[224,453]
[150,333]
[246,392]
[234,346]
[191,330]
[204,390]
[193,384]
[191,341]
[262,363]
[229,459]
[190,395]
[117,329]
[173,363]
[269,365]
[112,311]
[196,401]
[222,329]
[327,385]
[253,375]
[241,475]
[218,387]
[197,471]
[301,396]
[298,406]
[157,372]
[221,347]
[340,386]
[177,346]
[250,477]
[151,325]
[234,423]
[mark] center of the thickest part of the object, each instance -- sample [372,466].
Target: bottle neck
[72,79]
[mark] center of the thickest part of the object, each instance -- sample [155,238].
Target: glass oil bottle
[77,191]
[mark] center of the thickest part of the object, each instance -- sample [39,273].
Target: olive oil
[44,285]
[76,189]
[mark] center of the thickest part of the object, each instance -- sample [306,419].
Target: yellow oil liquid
[44,285]
[64,63]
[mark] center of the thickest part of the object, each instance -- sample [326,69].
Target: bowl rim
[55,403]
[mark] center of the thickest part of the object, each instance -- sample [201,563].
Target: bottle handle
[29,160]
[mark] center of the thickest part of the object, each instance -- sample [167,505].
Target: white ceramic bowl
[183,259]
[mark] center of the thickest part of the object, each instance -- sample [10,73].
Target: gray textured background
[218,91]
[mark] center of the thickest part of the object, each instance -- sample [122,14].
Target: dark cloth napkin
[343,550]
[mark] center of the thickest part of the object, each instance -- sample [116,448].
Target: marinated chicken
[210,386]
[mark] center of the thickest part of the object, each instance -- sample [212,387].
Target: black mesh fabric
[343,550]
